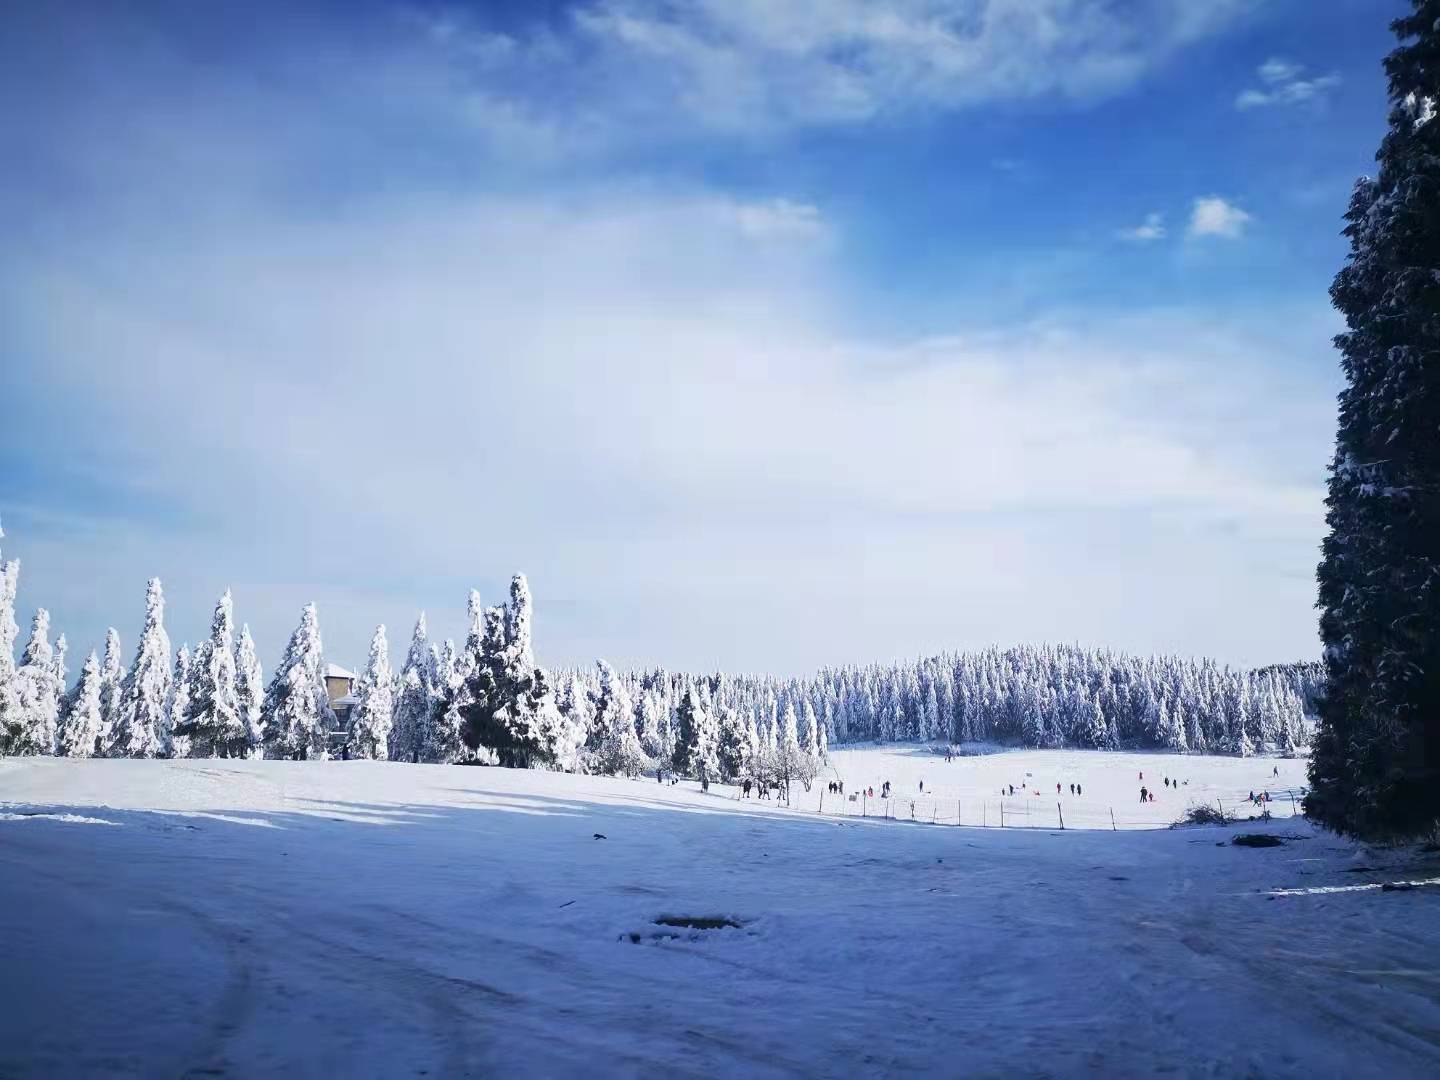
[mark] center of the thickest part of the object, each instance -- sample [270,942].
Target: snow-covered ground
[361,919]
[969,788]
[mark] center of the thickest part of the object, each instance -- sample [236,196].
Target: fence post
[912,809]
[1062,816]
[1221,809]
[822,803]
[984,814]
[957,811]
[1002,813]
[864,804]
[1112,820]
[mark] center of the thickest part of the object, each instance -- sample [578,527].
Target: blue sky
[760,336]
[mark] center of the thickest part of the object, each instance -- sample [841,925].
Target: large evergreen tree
[415,702]
[371,718]
[296,717]
[82,716]
[173,740]
[1375,769]
[509,707]
[215,720]
[618,752]
[140,714]
[37,693]
[250,692]
[112,678]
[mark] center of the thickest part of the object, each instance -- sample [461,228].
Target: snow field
[970,787]
[251,918]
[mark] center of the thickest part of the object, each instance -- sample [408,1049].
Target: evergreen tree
[371,720]
[415,702]
[509,706]
[296,716]
[250,693]
[215,720]
[1375,768]
[112,677]
[82,716]
[686,734]
[174,743]
[140,712]
[619,752]
[733,749]
[36,702]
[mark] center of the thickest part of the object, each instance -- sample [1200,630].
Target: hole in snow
[699,922]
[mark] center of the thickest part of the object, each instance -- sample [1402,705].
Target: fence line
[1035,812]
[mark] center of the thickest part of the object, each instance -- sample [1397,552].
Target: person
[1079,790]
[1072,789]
[1252,795]
[922,787]
[747,789]
[1012,789]
[1057,789]
[842,787]
[1276,771]
[1144,795]
[1142,776]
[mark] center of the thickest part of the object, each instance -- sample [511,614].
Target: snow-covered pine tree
[112,677]
[442,743]
[732,750]
[618,752]
[509,707]
[140,713]
[82,716]
[686,733]
[296,716]
[414,702]
[36,693]
[1375,767]
[215,721]
[177,706]
[250,692]
[371,719]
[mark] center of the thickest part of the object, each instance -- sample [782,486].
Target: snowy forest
[487,701]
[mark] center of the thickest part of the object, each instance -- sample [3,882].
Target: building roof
[348,699]
[335,671]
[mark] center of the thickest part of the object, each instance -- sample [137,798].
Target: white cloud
[1151,230]
[1214,216]
[756,65]
[1284,86]
[780,220]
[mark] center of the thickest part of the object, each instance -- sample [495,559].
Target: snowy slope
[970,787]
[364,919]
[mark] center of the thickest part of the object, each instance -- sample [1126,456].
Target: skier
[1144,795]
[747,789]
[1276,771]
[922,787]
[1057,789]
[1079,790]
[1072,789]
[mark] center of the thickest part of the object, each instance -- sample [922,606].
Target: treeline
[487,701]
